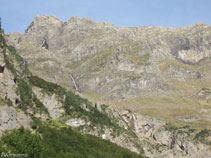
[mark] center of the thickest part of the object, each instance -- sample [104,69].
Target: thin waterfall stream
[135,123]
[74,82]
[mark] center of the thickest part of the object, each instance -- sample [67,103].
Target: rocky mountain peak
[73,19]
[76,19]
[83,23]
[44,22]
[199,24]
[43,18]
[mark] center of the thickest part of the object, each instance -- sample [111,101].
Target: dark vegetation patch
[204,136]
[180,130]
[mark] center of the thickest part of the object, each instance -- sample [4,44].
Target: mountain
[155,80]
[152,70]
[40,119]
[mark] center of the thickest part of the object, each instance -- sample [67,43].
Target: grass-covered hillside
[60,143]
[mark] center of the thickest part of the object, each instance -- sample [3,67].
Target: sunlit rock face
[114,62]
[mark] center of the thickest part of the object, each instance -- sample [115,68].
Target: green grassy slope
[60,143]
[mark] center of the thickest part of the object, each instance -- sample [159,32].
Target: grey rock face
[50,102]
[10,119]
[110,60]
[204,93]
[174,142]
[75,122]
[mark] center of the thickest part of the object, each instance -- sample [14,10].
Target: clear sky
[18,14]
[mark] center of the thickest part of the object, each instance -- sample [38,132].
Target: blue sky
[18,14]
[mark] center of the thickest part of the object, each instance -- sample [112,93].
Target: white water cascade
[74,82]
[43,43]
[135,123]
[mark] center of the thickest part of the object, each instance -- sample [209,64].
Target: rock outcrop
[11,119]
[50,102]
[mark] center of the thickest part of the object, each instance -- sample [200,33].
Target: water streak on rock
[74,82]
[135,123]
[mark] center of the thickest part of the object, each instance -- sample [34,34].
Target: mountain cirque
[156,80]
[155,71]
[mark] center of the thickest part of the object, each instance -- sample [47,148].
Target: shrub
[202,136]
[21,141]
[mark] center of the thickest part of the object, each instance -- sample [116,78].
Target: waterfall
[74,82]
[44,44]
[135,123]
